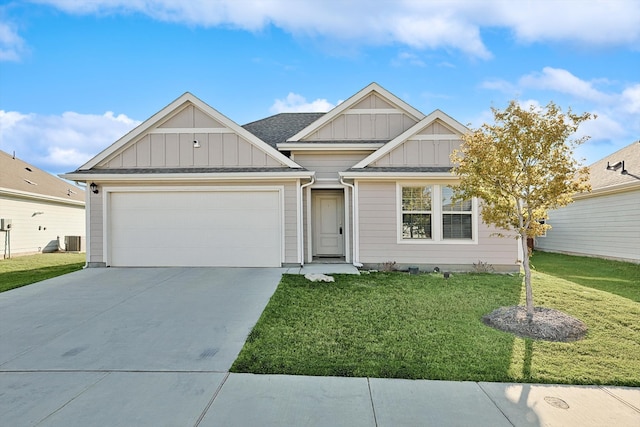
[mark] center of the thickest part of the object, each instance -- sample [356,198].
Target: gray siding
[603,226]
[177,150]
[327,165]
[432,146]
[361,122]
[170,144]
[377,222]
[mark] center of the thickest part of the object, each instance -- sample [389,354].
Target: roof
[279,128]
[601,177]
[19,176]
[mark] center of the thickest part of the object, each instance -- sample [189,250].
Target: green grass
[24,270]
[395,325]
[620,278]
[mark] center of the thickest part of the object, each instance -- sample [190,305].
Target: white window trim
[436,217]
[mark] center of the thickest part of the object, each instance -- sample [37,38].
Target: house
[38,210]
[365,183]
[606,222]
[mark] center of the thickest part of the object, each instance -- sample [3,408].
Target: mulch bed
[547,324]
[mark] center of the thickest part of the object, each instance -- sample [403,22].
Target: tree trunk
[527,276]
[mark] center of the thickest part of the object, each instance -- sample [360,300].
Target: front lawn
[620,278]
[24,270]
[395,325]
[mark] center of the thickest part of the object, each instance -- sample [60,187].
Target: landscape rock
[316,277]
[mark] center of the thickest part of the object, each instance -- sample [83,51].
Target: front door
[328,223]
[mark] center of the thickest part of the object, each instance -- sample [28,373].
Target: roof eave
[182,177]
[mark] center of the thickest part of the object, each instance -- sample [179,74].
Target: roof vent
[29,169]
[30,182]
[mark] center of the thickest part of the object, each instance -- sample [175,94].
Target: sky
[76,75]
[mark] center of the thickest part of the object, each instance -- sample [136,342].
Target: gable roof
[352,101]
[18,177]
[178,104]
[280,127]
[447,120]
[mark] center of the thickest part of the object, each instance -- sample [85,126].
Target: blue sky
[76,75]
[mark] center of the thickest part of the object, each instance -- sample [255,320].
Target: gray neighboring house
[606,222]
[38,210]
[365,183]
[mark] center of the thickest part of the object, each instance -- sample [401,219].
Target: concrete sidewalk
[102,398]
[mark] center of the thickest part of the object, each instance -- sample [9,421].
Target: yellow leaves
[525,156]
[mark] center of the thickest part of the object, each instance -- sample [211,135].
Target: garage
[184,228]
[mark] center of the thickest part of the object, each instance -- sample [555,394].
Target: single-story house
[604,223]
[38,210]
[365,183]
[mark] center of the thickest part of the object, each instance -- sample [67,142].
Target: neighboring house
[37,209]
[606,222]
[365,183]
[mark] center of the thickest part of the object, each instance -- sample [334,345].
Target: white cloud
[295,103]
[418,24]
[12,46]
[408,58]
[631,99]
[60,143]
[559,80]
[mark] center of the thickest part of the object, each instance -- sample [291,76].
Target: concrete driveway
[152,347]
[155,343]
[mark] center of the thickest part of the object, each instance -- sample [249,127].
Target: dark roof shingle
[279,128]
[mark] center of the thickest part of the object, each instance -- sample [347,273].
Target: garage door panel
[216,228]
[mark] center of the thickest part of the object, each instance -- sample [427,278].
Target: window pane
[416,198]
[449,206]
[416,226]
[456,226]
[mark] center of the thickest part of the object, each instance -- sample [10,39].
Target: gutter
[354,242]
[300,219]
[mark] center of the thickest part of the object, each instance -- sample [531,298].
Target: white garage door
[213,228]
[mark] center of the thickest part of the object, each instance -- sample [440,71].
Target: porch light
[94,188]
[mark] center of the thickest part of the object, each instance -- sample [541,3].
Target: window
[428,214]
[456,217]
[416,212]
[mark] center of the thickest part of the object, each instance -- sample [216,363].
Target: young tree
[520,167]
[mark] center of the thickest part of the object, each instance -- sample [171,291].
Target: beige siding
[603,226]
[416,152]
[327,165]
[378,239]
[171,145]
[177,150]
[96,226]
[364,126]
[37,225]
[290,221]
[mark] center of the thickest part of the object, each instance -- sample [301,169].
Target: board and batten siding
[177,150]
[430,147]
[38,224]
[378,237]
[602,226]
[362,122]
[96,212]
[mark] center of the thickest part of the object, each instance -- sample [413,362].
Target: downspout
[300,220]
[354,213]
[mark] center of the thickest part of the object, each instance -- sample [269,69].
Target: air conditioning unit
[72,243]
[5,224]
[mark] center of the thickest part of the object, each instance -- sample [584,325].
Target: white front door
[328,224]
